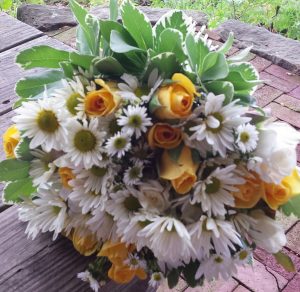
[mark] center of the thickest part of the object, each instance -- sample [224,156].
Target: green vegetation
[282,16]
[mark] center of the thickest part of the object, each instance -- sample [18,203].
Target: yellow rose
[277,195]
[182,173]
[164,136]
[66,175]
[117,252]
[85,245]
[249,193]
[11,139]
[176,99]
[102,102]
[124,274]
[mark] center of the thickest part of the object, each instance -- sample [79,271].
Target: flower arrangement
[146,148]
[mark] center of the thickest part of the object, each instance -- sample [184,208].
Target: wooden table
[39,265]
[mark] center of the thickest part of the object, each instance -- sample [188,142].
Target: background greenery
[282,16]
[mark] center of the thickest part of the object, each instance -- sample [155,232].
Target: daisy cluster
[154,175]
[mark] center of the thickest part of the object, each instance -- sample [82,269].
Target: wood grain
[10,72]
[14,32]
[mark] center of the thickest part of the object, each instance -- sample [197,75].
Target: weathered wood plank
[14,32]
[10,72]
[43,265]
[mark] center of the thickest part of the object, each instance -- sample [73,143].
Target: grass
[281,16]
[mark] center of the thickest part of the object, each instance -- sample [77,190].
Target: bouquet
[145,148]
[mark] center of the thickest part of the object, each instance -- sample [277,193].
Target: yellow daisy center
[47,121]
[85,141]
[72,103]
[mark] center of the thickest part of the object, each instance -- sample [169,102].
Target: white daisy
[134,121]
[118,145]
[102,224]
[96,179]
[69,96]
[214,193]
[42,168]
[216,266]
[133,91]
[217,126]
[46,212]
[209,234]
[129,234]
[84,147]
[134,262]
[86,276]
[157,279]
[247,137]
[41,122]
[123,204]
[169,240]
[86,200]
[133,175]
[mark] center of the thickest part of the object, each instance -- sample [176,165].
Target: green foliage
[35,57]
[13,169]
[23,151]
[292,207]
[285,261]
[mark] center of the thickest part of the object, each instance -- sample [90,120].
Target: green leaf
[13,169]
[6,4]
[292,207]
[154,104]
[221,87]
[138,25]
[41,56]
[34,84]
[196,157]
[174,19]
[108,66]
[241,56]
[118,43]
[227,45]
[16,190]
[23,151]
[189,273]
[197,50]
[214,67]
[67,68]
[174,153]
[166,63]
[173,278]
[83,61]
[113,10]
[285,261]
[171,40]
[88,33]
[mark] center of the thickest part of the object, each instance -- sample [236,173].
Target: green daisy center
[134,262]
[120,143]
[72,103]
[132,204]
[243,255]
[98,171]
[47,121]
[220,118]
[244,137]
[85,141]
[56,209]
[134,172]
[157,277]
[140,91]
[135,121]
[218,260]
[214,186]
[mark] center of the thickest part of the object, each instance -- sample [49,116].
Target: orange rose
[182,173]
[176,100]
[102,102]
[249,193]
[164,136]
[117,252]
[11,139]
[124,274]
[66,175]
[277,195]
[85,245]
